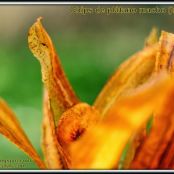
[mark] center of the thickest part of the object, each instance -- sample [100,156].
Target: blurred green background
[90,47]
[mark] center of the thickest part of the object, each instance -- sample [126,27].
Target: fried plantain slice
[61,94]
[11,129]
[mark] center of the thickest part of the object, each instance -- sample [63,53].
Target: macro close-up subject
[129,124]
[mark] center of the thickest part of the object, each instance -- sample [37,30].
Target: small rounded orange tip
[39,19]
